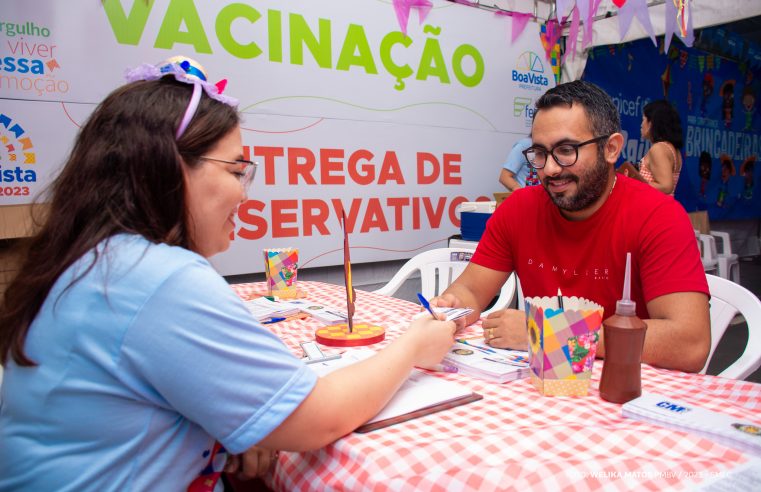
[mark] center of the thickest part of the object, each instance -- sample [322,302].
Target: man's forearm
[669,347]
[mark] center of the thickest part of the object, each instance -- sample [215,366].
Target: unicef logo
[529,72]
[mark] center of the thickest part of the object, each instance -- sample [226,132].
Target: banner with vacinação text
[341,109]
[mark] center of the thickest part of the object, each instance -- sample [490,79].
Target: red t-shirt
[587,258]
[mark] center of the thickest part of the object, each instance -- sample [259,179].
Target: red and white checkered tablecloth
[514,438]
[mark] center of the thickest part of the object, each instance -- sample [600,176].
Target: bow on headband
[188,71]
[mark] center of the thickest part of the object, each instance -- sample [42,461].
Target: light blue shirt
[142,364]
[516,161]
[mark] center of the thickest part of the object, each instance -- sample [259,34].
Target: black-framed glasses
[247,176]
[565,154]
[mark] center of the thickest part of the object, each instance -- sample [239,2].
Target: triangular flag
[573,35]
[402,8]
[631,9]
[670,26]
[563,7]
[588,22]
[519,24]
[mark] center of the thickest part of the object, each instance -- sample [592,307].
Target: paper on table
[474,358]
[326,314]
[450,314]
[742,434]
[421,392]
[262,308]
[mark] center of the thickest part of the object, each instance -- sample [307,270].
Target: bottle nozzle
[627,307]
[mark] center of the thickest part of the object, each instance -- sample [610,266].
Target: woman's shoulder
[138,247]
[663,150]
[133,257]
[664,146]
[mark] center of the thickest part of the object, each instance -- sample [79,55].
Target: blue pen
[425,304]
[272,320]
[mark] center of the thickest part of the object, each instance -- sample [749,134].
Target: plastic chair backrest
[727,300]
[708,256]
[438,269]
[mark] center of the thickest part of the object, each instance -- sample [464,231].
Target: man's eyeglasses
[247,176]
[565,154]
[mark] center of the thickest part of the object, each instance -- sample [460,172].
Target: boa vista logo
[16,176]
[529,72]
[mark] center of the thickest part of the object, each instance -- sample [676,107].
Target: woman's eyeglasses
[247,176]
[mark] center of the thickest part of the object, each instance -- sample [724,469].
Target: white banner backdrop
[339,107]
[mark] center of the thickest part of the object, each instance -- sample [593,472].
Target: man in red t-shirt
[574,231]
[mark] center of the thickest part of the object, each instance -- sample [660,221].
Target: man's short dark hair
[602,113]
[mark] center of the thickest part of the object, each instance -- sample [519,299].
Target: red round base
[339,336]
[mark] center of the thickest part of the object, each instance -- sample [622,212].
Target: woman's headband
[187,71]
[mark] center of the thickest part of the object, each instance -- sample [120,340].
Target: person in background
[661,165]
[727,171]
[130,364]
[704,171]
[573,234]
[516,173]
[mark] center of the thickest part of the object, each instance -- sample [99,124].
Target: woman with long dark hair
[661,166]
[129,362]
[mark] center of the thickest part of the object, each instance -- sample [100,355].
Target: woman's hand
[431,338]
[506,328]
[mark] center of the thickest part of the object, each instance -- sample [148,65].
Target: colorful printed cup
[281,269]
[562,343]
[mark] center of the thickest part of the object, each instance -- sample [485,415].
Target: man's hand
[450,300]
[506,328]
[446,300]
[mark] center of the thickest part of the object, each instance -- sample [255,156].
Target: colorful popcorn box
[281,268]
[562,343]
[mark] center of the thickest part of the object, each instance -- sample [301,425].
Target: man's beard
[589,187]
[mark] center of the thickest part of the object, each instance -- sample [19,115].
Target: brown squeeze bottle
[624,338]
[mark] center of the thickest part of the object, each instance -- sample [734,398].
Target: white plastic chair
[708,254]
[727,300]
[729,263]
[440,267]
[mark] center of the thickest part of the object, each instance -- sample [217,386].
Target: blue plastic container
[472,225]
